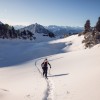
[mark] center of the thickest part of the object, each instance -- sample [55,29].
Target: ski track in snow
[49,95]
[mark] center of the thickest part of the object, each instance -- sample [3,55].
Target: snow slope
[1,22]
[74,74]
[21,82]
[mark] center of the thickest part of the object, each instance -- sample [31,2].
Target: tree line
[91,34]
[8,32]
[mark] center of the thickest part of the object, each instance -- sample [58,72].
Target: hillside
[74,74]
[39,29]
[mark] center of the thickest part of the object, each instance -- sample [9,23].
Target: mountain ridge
[57,30]
[37,28]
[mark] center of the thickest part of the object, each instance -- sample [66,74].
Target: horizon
[72,13]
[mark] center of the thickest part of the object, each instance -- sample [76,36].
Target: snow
[77,75]
[1,22]
[74,74]
[21,82]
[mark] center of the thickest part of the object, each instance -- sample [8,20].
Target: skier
[44,66]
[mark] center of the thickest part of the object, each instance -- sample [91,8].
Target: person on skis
[44,66]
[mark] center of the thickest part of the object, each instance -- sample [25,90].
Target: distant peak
[36,23]
[1,22]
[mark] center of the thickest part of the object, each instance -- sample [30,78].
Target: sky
[49,12]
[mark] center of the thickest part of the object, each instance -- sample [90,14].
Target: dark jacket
[45,64]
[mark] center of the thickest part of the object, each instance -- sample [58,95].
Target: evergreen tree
[87,26]
[10,34]
[98,25]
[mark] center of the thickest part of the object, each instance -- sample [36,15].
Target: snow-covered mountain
[37,28]
[1,22]
[34,32]
[57,30]
[60,30]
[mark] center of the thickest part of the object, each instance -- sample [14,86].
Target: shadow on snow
[58,75]
[12,54]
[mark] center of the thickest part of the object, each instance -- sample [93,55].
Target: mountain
[1,22]
[57,30]
[8,32]
[37,28]
[18,26]
[61,30]
[34,32]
